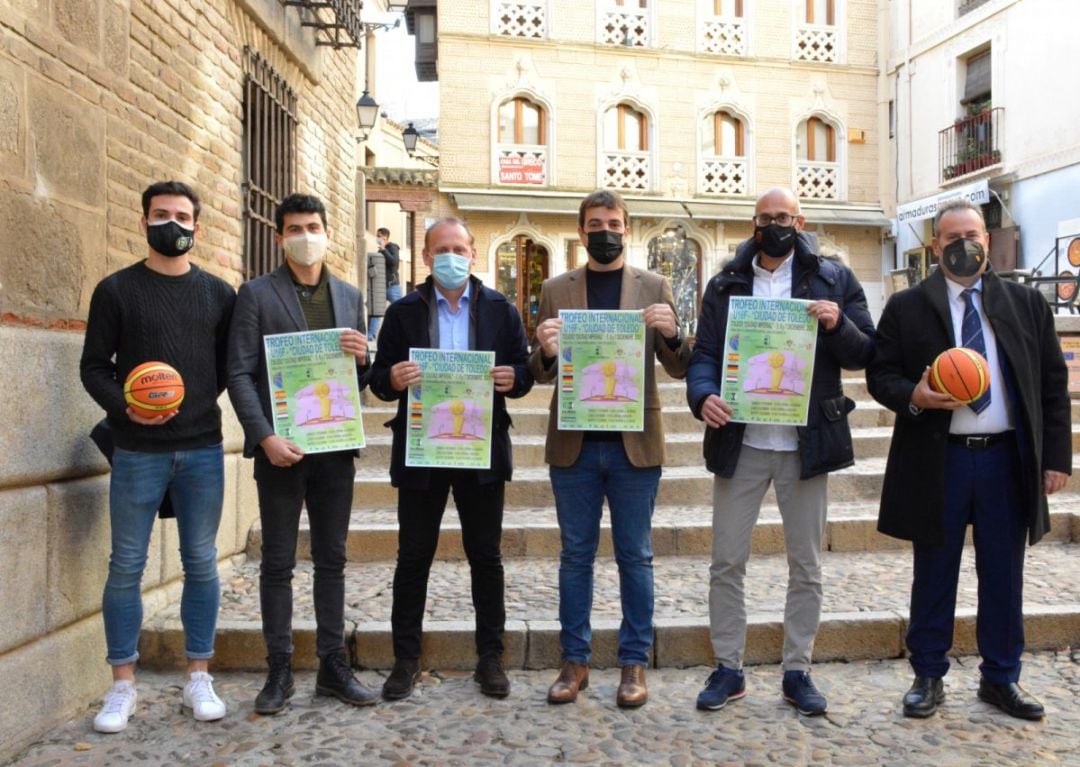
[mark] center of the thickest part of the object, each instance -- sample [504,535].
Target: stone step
[864,612]
[672,393]
[680,485]
[683,449]
[677,419]
[677,531]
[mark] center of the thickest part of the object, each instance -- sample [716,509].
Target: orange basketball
[961,373]
[153,389]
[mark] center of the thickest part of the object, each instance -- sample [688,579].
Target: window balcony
[817,42]
[970,145]
[625,27]
[522,19]
[722,175]
[724,37]
[967,6]
[626,170]
[817,180]
[523,165]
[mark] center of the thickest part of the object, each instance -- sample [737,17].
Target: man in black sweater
[162,309]
[300,295]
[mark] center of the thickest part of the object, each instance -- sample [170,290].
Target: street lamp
[409,137]
[367,113]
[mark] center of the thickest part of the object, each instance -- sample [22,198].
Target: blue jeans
[602,469]
[195,480]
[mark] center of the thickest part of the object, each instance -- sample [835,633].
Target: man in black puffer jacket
[776,263]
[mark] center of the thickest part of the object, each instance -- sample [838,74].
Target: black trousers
[420,512]
[325,482]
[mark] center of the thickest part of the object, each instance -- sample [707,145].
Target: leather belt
[980,441]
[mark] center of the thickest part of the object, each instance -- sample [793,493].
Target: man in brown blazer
[623,466]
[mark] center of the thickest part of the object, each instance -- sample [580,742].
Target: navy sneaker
[723,685]
[800,692]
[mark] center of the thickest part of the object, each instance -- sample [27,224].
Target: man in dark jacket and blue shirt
[991,463]
[162,309]
[776,263]
[300,295]
[451,310]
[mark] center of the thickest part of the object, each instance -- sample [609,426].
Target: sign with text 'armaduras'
[769,360]
[315,392]
[601,376]
[449,411]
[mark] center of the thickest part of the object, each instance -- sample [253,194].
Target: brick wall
[99,98]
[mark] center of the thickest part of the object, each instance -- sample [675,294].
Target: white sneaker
[118,705]
[200,698]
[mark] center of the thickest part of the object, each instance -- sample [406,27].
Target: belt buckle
[976,443]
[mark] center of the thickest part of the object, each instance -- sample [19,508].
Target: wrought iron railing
[971,144]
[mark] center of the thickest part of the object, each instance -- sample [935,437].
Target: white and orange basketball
[961,373]
[153,389]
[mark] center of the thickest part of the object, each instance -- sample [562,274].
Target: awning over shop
[706,210]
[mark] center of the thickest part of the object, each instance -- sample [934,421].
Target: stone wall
[99,98]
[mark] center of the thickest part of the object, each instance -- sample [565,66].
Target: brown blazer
[639,290]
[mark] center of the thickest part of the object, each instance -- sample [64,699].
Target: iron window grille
[269,159]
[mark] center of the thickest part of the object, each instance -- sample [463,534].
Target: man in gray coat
[300,295]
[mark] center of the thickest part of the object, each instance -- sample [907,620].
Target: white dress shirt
[776,284]
[995,418]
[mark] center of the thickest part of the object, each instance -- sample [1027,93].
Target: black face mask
[604,246]
[963,258]
[170,239]
[774,240]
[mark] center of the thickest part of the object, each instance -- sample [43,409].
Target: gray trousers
[736,503]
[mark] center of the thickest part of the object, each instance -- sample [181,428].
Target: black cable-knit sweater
[138,315]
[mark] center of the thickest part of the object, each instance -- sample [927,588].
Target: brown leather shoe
[632,690]
[572,677]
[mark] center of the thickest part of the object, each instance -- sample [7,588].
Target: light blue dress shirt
[453,326]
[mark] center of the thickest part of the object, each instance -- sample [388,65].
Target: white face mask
[306,249]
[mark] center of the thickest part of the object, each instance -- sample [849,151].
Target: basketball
[961,373]
[153,389]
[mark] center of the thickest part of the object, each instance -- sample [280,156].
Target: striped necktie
[971,336]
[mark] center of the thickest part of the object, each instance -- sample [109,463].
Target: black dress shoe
[925,695]
[492,677]
[401,680]
[336,680]
[1011,699]
[279,685]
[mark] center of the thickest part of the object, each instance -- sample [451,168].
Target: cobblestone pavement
[448,722]
[854,582]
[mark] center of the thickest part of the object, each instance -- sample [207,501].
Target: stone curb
[680,642]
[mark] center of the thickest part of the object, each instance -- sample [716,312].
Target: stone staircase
[867,575]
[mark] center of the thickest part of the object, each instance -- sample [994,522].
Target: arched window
[723,135]
[522,122]
[821,12]
[520,152]
[626,129]
[818,175]
[817,141]
[728,8]
[723,167]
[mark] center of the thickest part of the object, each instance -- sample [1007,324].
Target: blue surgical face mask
[450,270]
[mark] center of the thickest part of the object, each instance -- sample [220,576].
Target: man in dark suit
[990,463]
[451,310]
[300,295]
